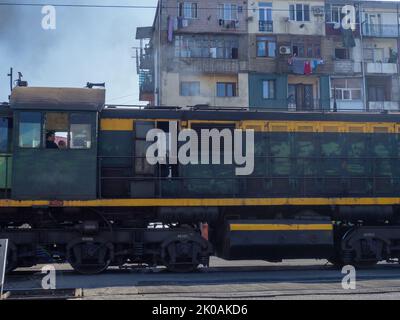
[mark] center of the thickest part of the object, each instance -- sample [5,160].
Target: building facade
[275,55]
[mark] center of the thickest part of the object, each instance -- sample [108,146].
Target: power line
[118,98]
[76,5]
[99,6]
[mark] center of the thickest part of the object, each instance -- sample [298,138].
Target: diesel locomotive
[324,185]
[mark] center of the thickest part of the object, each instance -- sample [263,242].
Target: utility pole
[159,54]
[361,23]
[11,79]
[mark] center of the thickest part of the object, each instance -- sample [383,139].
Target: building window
[346,89]
[226,89]
[190,88]
[336,14]
[203,46]
[30,124]
[306,49]
[188,10]
[342,54]
[265,17]
[228,12]
[299,12]
[266,47]
[269,89]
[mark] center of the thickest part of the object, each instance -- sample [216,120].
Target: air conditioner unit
[285,50]
[318,10]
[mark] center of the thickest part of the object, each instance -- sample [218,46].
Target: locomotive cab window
[67,131]
[56,130]
[29,129]
[5,135]
[81,131]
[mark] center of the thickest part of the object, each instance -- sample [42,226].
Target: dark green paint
[55,174]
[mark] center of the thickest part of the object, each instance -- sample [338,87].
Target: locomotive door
[143,185]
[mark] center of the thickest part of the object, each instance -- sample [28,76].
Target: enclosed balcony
[209,65]
[146,86]
[381,30]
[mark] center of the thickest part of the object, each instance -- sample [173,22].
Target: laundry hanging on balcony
[305,67]
[348,38]
[171,23]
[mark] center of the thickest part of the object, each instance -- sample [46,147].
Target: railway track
[219,282]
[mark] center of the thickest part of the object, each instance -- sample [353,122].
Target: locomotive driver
[50,140]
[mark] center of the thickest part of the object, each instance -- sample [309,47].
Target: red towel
[307,67]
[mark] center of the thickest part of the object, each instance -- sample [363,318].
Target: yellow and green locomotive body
[322,185]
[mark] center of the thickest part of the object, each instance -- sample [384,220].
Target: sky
[88,45]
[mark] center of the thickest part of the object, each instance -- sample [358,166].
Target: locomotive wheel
[181,256]
[91,257]
[338,262]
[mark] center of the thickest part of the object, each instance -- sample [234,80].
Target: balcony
[297,66]
[146,85]
[265,26]
[229,24]
[347,66]
[381,68]
[383,106]
[381,30]
[147,60]
[209,65]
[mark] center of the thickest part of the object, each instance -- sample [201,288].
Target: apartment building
[275,55]
[287,50]
[200,53]
[366,72]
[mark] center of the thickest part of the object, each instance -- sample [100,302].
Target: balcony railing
[381,67]
[381,30]
[383,106]
[146,85]
[267,26]
[207,65]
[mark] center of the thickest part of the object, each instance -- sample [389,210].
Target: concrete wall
[171,90]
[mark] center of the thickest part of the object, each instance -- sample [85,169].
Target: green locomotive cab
[55,143]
